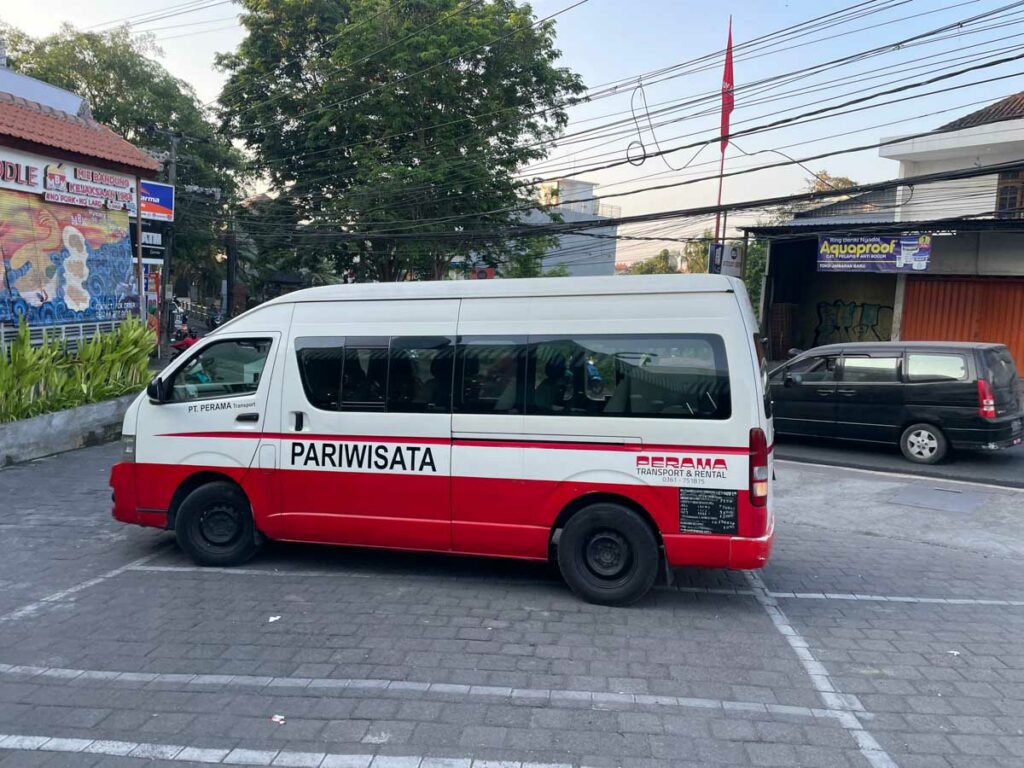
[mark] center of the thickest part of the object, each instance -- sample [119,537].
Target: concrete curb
[61,431]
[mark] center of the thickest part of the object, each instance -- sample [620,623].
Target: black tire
[214,525]
[924,444]
[608,555]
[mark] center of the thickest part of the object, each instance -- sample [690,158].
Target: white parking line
[241,756]
[727,591]
[846,704]
[894,598]
[324,686]
[904,475]
[33,608]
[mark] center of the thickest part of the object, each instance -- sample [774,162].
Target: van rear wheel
[214,525]
[608,554]
[924,444]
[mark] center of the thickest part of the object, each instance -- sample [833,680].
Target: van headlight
[128,448]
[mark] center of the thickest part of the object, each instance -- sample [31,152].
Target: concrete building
[948,261]
[590,253]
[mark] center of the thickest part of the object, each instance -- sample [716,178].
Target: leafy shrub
[47,378]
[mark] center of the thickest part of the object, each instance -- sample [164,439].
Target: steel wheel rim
[607,555]
[220,525]
[922,443]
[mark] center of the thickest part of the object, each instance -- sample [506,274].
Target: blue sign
[156,201]
[896,253]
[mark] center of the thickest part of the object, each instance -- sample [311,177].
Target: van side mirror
[157,391]
[791,379]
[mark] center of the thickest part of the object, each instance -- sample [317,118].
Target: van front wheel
[214,525]
[608,555]
[924,444]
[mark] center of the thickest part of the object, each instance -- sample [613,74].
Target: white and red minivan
[613,424]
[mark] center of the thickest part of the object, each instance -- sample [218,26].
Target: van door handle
[847,392]
[298,421]
[247,417]
[824,392]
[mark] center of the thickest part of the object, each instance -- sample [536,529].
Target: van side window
[648,376]
[814,370]
[490,375]
[226,368]
[320,359]
[364,375]
[931,367]
[420,374]
[870,370]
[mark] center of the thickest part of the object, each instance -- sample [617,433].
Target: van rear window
[1001,368]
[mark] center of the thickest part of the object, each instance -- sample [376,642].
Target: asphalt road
[1004,467]
[888,630]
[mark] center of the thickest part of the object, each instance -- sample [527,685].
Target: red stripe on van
[565,445]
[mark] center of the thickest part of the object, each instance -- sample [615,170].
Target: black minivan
[925,396]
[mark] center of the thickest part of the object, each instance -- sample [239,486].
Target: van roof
[543,286]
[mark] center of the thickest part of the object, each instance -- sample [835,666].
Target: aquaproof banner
[896,253]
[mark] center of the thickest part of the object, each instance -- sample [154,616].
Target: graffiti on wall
[840,321]
[63,263]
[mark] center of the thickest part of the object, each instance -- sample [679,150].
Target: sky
[612,40]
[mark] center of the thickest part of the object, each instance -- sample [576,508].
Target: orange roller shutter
[950,309]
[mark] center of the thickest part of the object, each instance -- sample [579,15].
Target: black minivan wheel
[214,525]
[924,444]
[608,555]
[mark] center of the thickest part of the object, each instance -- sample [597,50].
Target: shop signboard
[157,201]
[876,253]
[66,183]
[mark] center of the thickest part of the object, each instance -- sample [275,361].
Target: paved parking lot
[888,630]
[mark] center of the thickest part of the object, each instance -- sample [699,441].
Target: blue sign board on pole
[895,253]
[157,201]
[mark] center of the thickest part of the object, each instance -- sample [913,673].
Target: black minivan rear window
[1001,367]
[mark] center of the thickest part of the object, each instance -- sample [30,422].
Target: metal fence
[72,333]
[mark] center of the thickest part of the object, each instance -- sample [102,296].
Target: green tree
[411,116]
[695,254]
[664,263]
[131,93]
[823,181]
[754,261]
[527,260]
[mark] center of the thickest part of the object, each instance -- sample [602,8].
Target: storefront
[877,283]
[67,189]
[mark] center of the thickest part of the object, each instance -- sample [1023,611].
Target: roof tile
[1010,108]
[39,124]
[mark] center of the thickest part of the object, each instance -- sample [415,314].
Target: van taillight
[986,400]
[758,467]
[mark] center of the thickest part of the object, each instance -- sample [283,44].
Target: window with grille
[1009,197]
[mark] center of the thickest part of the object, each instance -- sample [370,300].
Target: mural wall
[63,263]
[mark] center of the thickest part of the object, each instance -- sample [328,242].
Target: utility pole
[231,248]
[168,282]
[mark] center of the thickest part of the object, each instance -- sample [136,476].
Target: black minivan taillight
[986,400]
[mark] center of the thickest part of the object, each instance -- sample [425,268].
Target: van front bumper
[703,550]
[125,503]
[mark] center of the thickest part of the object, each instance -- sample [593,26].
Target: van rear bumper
[713,551]
[994,434]
[124,497]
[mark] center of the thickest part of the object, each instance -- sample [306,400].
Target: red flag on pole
[727,84]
